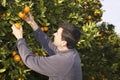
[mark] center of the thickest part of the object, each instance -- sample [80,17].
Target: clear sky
[112,13]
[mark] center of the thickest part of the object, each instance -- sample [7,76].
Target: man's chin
[55,43]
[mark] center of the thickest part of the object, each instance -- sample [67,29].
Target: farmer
[63,62]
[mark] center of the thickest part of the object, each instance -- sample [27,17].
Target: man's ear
[64,43]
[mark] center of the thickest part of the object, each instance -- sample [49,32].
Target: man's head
[67,35]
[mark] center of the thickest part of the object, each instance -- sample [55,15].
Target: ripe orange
[92,78]
[36,54]
[22,15]
[17,25]
[20,78]
[2,15]
[14,53]
[92,65]
[89,17]
[26,9]
[45,28]
[42,28]
[97,12]
[17,58]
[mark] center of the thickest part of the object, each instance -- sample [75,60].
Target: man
[63,62]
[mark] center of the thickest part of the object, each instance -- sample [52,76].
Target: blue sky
[112,13]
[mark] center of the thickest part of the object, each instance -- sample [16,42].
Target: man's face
[58,37]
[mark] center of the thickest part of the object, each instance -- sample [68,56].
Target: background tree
[99,45]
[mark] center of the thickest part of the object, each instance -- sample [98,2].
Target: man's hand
[31,22]
[29,19]
[18,33]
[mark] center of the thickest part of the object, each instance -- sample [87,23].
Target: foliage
[99,45]
[100,54]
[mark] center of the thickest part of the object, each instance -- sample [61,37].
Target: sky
[112,13]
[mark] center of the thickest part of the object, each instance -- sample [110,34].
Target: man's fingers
[13,26]
[21,28]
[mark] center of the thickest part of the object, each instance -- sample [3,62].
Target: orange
[2,15]
[26,9]
[14,53]
[42,28]
[92,65]
[89,17]
[20,78]
[45,28]
[92,78]
[36,54]
[17,25]
[22,15]
[17,58]
[97,12]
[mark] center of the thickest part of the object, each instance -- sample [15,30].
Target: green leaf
[1,60]
[2,33]
[2,70]
[4,3]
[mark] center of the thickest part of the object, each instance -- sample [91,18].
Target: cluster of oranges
[17,58]
[96,12]
[22,14]
[37,54]
[44,28]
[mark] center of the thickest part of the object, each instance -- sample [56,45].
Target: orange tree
[100,50]
[99,46]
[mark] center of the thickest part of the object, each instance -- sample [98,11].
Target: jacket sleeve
[45,42]
[43,65]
